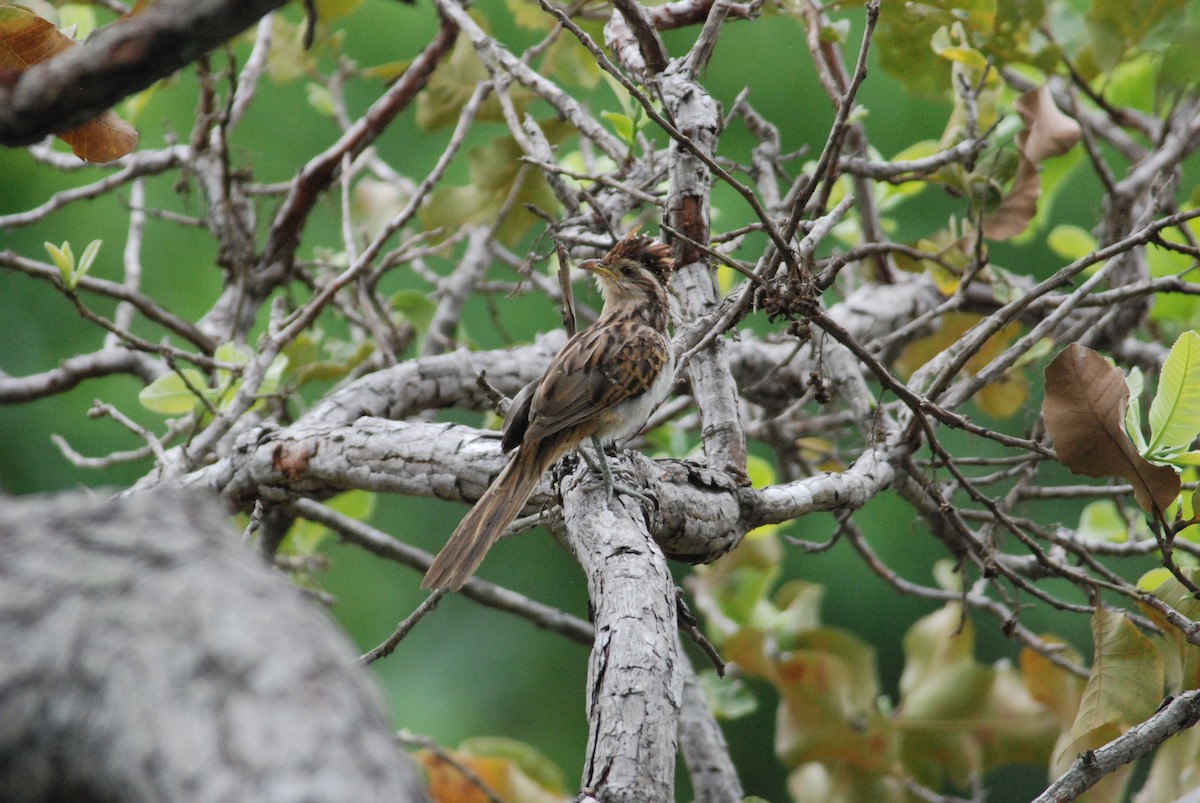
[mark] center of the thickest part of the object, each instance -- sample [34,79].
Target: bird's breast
[628,417]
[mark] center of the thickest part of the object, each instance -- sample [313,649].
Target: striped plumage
[603,383]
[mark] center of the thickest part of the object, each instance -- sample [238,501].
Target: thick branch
[635,682]
[149,657]
[121,59]
[714,778]
[698,118]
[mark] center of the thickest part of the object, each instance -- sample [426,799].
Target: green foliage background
[467,671]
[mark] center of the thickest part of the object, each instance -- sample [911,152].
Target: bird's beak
[595,266]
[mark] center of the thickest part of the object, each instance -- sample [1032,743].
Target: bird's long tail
[494,511]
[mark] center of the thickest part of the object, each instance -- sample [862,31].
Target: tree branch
[148,652]
[120,59]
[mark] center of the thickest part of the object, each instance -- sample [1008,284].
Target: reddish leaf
[25,40]
[1085,414]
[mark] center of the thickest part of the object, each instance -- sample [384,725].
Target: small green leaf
[320,98]
[1179,458]
[305,537]
[231,353]
[85,261]
[1175,411]
[1102,521]
[388,71]
[529,14]
[728,698]
[64,260]
[836,32]
[1071,242]
[170,395]
[622,124]
[1133,413]
[331,9]
[79,16]
[761,472]
[417,308]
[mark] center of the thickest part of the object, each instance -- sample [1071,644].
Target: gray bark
[148,656]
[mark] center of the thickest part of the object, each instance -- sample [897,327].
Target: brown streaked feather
[603,382]
[654,255]
[590,376]
[516,421]
[487,521]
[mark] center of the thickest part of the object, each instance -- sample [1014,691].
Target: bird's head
[635,270]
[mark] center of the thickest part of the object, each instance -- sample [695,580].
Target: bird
[601,386]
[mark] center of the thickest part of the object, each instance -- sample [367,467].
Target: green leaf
[289,59]
[331,9]
[1102,521]
[622,124]
[89,257]
[1175,411]
[1071,242]
[320,98]
[530,761]
[229,352]
[1153,579]
[170,395]
[1181,658]
[417,308]
[494,170]
[273,377]
[1133,413]
[836,32]
[568,61]
[78,16]
[728,698]
[528,14]
[1120,25]
[1180,458]
[305,537]
[64,260]
[1125,686]
[453,83]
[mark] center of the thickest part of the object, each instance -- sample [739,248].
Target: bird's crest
[655,256]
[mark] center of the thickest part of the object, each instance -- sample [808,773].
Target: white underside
[634,412]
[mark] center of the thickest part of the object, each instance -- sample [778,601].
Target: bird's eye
[627,270]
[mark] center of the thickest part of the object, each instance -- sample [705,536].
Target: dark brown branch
[317,175]
[121,59]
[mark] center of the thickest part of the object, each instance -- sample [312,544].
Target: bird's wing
[516,421]
[597,369]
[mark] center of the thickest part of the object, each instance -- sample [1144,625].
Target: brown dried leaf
[1084,410]
[1047,132]
[25,40]
[103,139]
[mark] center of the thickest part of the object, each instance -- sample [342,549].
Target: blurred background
[468,671]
